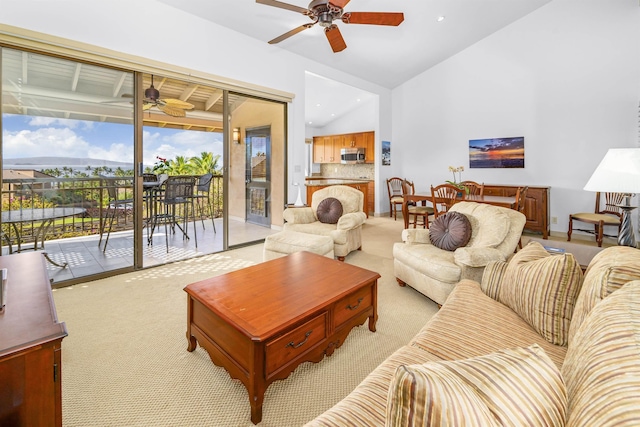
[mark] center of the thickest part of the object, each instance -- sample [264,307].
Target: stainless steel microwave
[352,155]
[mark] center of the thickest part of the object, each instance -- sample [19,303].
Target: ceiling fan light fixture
[152,93]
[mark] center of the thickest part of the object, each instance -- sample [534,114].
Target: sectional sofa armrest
[299,215]
[416,235]
[351,220]
[477,256]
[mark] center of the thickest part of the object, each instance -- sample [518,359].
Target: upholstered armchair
[322,218]
[493,236]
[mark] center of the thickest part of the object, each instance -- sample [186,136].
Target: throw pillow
[450,231]
[608,271]
[329,210]
[542,288]
[602,366]
[515,387]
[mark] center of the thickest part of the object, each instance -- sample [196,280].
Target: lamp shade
[618,172]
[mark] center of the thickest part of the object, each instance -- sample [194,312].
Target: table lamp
[619,172]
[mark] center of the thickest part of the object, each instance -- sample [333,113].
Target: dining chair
[203,195]
[178,192]
[395,190]
[443,197]
[115,205]
[474,188]
[416,211]
[610,215]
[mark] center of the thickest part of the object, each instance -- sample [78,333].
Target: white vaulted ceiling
[385,55]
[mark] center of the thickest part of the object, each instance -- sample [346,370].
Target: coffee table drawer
[292,344]
[349,306]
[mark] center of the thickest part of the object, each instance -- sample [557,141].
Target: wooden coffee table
[261,322]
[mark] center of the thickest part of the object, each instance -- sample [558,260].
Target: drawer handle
[353,307]
[301,343]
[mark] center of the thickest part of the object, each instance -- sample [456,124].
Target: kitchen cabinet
[371,196]
[370,145]
[326,149]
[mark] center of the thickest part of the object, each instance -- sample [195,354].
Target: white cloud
[52,121]
[44,142]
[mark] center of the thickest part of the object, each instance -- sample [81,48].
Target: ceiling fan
[170,106]
[324,12]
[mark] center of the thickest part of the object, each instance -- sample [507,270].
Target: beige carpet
[125,361]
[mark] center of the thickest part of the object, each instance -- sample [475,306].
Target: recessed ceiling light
[440,18]
[358,99]
[310,123]
[332,114]
[317,105]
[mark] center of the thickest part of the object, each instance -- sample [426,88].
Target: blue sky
[31,136]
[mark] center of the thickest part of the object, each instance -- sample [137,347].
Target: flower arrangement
[457,182]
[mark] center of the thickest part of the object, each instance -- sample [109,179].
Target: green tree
[206,163]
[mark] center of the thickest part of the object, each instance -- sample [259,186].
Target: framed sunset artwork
[497,152]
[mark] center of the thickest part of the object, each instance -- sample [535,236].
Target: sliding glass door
[88,153]
[67,163]
[257,172]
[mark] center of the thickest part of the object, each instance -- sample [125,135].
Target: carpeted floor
[125,361]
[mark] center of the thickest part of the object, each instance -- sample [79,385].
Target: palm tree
[206,163]
[179,166]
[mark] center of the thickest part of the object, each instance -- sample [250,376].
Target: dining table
[503,201]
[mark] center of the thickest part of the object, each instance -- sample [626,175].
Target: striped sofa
[535,343]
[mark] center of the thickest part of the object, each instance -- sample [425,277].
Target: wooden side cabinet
[536,207]
[30,346]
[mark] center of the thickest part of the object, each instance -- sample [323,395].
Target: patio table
[44,215]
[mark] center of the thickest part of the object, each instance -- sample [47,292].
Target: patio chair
[202,195]
[178,191]
[116,204]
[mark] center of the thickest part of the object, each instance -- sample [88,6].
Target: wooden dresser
[30,342]
[536,206]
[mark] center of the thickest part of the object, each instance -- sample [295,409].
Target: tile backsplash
[337,170]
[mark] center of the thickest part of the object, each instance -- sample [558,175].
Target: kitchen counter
[323,182]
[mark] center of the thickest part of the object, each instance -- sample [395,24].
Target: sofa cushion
[329,210]
[602,367]
[366,405]
[608,270]
[441,265]
[471,324]
[519,386]
[450,231]
[492,277]
[489,224]
[542,289]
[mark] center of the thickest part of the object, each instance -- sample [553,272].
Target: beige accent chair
[495,233]
[346,234]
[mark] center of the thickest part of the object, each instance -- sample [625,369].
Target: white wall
[153,30]
[361,119]
[566,77]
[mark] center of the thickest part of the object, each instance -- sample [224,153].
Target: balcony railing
[32,197]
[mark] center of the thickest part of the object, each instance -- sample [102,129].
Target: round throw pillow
[450,231]
[329,210]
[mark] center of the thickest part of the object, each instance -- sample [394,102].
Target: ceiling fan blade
[282,5]
[291,33]
[146,106]
[172,111]
[176,103]
[335,38]
[373,18]
[339,3]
